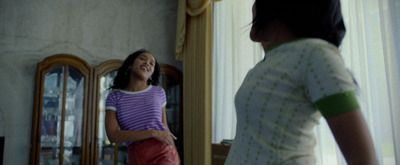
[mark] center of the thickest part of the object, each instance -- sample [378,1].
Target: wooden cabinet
[104,151]
[68,117]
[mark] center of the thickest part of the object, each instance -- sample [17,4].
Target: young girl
[301,78]
[135,112]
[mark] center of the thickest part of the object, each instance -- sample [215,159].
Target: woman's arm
[115,135]
[353,137]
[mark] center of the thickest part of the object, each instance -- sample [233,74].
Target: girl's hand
[173,136]
[165,137]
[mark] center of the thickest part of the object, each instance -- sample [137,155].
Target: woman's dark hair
[121,81]
[306,18]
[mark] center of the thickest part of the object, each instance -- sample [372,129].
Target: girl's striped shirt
[139,110]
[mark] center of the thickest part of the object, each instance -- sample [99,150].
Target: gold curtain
[186,10]
[194,49]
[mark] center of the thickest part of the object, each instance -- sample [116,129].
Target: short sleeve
[163,97]
[330,85]
[111,101]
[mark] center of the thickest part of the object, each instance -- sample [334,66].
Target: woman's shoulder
[114,92]
[305,45]
[316,43]
[157,88]
[313,46]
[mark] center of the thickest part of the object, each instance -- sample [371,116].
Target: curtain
[187,9]
[234,54]
[194,49]
[370,50]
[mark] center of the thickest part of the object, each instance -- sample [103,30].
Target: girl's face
[143,66]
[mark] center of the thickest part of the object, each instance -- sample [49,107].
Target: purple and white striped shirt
[138,111]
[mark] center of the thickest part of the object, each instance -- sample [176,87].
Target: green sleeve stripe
[337,103]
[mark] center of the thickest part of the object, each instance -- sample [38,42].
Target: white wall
[94,30]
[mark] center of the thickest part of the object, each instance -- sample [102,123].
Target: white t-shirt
[281,101]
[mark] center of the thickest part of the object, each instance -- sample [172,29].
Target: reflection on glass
[106,148]
[73,117]
[51,116]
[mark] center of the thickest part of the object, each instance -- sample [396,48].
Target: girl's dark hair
[307,18]
[121,81]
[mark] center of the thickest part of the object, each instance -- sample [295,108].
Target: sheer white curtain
[234,55]
[370,49]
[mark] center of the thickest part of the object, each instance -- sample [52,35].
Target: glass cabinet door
[59,133]
[51,116]
[172,109]
[62,117]
[106,153]
[73,117]
[106,150]
[171,81]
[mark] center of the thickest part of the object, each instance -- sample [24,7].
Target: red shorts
[152,152]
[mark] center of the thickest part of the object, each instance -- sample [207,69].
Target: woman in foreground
[301,78]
